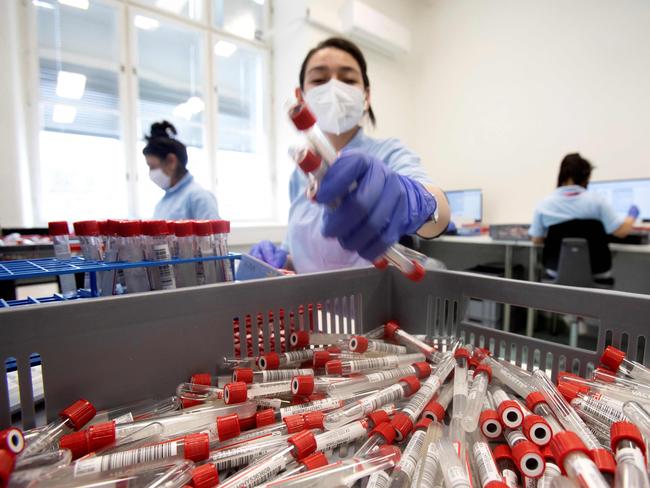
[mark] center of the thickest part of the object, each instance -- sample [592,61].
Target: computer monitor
[623,193]
[466,205]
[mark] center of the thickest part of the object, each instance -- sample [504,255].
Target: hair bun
[162,129]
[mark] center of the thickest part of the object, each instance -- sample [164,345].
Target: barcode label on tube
[457,478]
[317,405]
[343,435]
[284,374]
[379,479]
[485,462]
[127,458]
[418,401]
[412,453]
[161,253]
[269,402]
[373,363]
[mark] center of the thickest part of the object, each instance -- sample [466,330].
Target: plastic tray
[122,349]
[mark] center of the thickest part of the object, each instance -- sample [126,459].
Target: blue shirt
[309,250]
[569,203]
[187,200]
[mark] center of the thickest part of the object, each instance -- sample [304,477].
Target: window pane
[79,113]
[187,8]
[170,77]
[244,18]
[245,189]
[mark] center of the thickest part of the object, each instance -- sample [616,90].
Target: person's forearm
[625,228]
[433,229]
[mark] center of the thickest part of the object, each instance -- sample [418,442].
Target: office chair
[576,254]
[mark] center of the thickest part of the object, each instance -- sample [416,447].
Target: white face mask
[160,178]
[338,107]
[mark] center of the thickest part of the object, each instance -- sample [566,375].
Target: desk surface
[485,239]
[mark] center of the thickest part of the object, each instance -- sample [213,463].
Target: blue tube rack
[43,267]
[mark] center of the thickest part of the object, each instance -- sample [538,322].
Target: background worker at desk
[572,201]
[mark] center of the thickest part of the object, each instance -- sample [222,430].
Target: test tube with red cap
[506,465]
[60,235]
[184,273]
[87,231]
[361,344]
[476,397]
[111,282]
[71,418]
[616,360]
[428,468]
[404,420]
[535,427]
[551,471]
[248,375]
[191,394]
[571,421]
[461,355]
[130,250]
[615,387]
[316,164]
[508,409]
[351,366]
[393,332]
[233,455]
[630,448]
[240,392]
[157,247]
[596,407]
[307,385]
[573,458]
[321,405]
[303,338]
[453,469]
[639,416]
[488,473]
[206,271]
[504,374]
[437,407]
[526,455]
[404,388]
[382,434]
[297,467]
[323,356]
[12,440]
[27,470]
[220,231]
[489,421]
[274,360]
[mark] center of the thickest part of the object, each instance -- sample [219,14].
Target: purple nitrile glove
[381,207]
[633,212]
[269,253]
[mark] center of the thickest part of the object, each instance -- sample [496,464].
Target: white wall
[504,89]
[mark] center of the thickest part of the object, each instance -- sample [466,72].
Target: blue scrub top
[573,202]
[310,251]
[187,200]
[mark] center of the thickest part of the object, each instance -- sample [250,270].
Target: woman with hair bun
[184,198]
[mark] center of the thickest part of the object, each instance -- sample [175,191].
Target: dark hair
[162,142]
[575,167]
[353,50]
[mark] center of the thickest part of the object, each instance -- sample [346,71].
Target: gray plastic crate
[120,349]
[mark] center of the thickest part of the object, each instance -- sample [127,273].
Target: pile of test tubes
[151,240]
[384,409]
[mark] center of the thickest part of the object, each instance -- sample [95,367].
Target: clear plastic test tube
[350,366]
[61,240]
[361,344]
[372,381]
[573,458]
[308,385]
[360,408]
[87,231]
[620,388]
[630,448]
[437,407]
[428,471]
[302,338]
[157,247]
[382,434]
[248,375]
[615,360]
[600,408]
[30,469]
[526,455]
[488,473]
[239,392]
[453,469]
[639,416]
[392,331]
[508,410]
[404,470]
[130,250]
[476,397]
[274,360]
[489,421]
[111,282]
[184,273]
[461,355]
[206,271]
[220,231]
[504,374]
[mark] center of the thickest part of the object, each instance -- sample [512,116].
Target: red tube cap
[12,440]
[568,390]
[79,413]
[314,420]
[510,413]
[243,374]
[321,358]
[490,424]
[265,417]
[86,228]
[548,455]
[612,358]
[294,423]
[390,328]
[299,339]
[529,459]
[220,226]
[304,444]
[604,374]
[422,369]
[485,369]
[302,385]
[496,484]
[197,447]
[129,228]
[358,344]
[417,273]
[189,402]
[413,384]
[502,451]
[564,443]
[247,423]
[155,228]
[205,476]
[183,228]
[533,399]
[423,424]
[537,430]
[310,161]
[269,361]
[334,367]
[314,461]
[7,463]
[402,424]
[235,393]
[621,431]
[59,228]
[202,228]
[604,461]
[101,435]
[201,379]
[386,430]
[378,417]
[302,117]
[228,427]
[76,443]
[461,352]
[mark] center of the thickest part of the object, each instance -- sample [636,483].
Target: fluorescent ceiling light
[243,26]
[186,110]
[70,85]
[176,6]
[145,23]
[224,49]
[64,114]
[82,4]
[40,3]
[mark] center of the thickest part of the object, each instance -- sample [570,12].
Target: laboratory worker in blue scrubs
[184,198]
[392,195]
